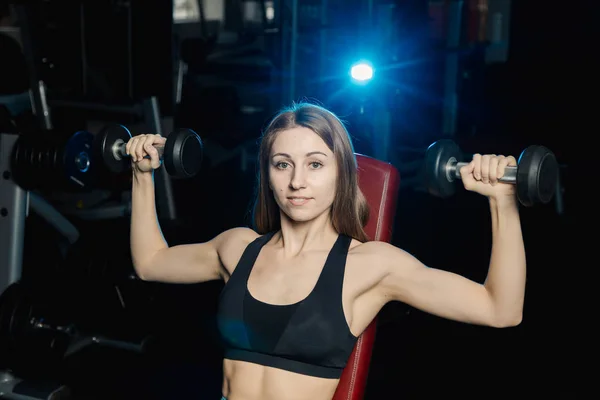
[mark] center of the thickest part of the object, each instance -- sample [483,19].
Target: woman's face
[302,174]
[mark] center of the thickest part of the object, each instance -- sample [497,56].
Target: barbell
[535,176]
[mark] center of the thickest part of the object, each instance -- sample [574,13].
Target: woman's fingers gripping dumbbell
[140,146]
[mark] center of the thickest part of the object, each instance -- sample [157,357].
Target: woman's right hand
[140,146]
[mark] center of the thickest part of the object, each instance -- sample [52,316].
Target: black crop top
[310,337]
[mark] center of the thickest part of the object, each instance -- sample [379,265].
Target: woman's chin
[302,215]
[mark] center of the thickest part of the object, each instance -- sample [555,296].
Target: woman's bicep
[192,263]
[186,263]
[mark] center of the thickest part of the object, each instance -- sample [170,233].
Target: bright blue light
[361,72]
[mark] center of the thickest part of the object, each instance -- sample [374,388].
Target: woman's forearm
[146,236]
[507,272]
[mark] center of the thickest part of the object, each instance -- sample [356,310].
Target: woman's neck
[296,237]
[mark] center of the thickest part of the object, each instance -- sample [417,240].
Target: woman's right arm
[153,259]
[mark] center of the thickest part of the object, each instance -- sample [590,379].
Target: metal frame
[452,70]
[14,388]
[13,212]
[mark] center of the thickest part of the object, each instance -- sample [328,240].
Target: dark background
[540,93]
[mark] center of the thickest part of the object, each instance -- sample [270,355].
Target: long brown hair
[350,210]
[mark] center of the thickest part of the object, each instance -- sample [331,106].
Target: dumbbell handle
[119,150]
[453,172]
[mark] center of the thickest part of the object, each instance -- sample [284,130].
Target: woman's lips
[298,201]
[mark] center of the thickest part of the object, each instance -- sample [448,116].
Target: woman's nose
[298,179]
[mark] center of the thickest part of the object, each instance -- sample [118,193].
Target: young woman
[305,282]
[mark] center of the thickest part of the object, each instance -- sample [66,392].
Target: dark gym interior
[494,76]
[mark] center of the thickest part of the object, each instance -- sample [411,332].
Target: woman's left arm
[498,302]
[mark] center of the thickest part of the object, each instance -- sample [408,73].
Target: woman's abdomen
[247,381]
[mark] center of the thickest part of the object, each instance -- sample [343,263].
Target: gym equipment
[380,182]
[14,388]
[23,330]
[16,204]
[535,176]
[49,162]
[182,153]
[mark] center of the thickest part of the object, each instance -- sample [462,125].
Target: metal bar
[152,114]
[134,109]
[83,48]
[293,50]
[13,212]
[54,218]
[181,72]
[165,201]
[128,6]
[45,111]
[24,16]
[323,36]
[87,341]
[452,68]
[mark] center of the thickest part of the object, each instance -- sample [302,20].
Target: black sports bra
[310,337]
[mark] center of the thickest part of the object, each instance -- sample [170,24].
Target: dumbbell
[26,329]
[182,152]
[535,176]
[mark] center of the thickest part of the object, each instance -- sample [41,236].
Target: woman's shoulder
[234,241]
[370,247]
[238,236]
[374,252]
[231,245]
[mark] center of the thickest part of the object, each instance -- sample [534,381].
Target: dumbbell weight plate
[52,162]
[183,153]
[106,139]
[77,158]
[436,159]
[537,176]
[15,313]
[20,342]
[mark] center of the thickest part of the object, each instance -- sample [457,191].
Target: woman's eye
[282,165]
[316,165]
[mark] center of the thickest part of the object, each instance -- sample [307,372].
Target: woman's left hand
[482,173]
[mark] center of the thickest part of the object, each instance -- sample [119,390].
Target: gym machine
[29,163]
[33,332]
